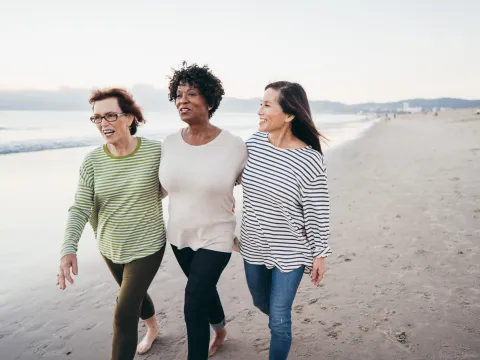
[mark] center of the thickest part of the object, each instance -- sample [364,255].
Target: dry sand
[403,282]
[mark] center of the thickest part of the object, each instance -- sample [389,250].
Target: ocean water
[40,154]
[28,131]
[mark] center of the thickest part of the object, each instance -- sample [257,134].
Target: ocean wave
[33,146]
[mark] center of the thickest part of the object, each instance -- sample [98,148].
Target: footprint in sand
[298,308]
[457,352]
[332,334]
[364,328]
[421,252]
[312,301]
[307,321]
[261,344]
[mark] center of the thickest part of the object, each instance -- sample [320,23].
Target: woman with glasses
[118,192]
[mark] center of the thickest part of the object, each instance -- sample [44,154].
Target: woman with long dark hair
[285,225]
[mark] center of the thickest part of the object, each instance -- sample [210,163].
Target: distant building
[410,110]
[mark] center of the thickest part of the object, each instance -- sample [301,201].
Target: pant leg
[284,290]
[259,281]
[216,316]
[147,309]
[205,271]
[136,278]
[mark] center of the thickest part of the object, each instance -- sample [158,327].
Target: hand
[236,245]
[318,270]
[68,262]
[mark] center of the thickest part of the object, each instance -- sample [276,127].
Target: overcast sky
[341,50]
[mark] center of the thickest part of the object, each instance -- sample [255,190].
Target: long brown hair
[293,101]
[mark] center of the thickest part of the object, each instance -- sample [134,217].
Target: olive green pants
[133,301]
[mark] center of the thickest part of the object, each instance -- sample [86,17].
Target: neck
[282,138]
[123,147]
[199,129]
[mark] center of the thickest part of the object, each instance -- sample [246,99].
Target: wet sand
[403,281]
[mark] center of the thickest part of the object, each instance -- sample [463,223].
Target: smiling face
[272,117]
[191,105]
[116,131]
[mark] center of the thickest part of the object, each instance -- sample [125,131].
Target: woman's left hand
[318,270]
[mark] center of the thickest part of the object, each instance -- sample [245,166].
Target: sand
[403,281]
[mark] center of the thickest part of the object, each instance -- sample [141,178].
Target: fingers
[317,275]
[75,266]
[67,274]
[319,278]
[61,279]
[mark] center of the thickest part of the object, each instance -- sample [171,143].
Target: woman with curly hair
[199,168]
[118,192]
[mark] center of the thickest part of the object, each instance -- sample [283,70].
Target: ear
[289,118]
[130,120]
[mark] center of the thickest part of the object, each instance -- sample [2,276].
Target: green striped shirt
[120,197]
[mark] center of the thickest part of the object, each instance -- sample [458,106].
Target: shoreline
[402,282]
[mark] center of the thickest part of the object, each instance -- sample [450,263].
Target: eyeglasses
[97,119]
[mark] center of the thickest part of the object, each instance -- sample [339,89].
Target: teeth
[108,132]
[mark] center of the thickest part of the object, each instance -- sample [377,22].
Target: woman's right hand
[68,265]
[236,245]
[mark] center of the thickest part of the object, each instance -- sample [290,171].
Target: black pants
[202,303]
[133,301]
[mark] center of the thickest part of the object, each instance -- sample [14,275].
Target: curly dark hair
[201,78]
[125,101]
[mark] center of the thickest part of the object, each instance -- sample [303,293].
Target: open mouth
[261,121]
[184,110]
[108,132]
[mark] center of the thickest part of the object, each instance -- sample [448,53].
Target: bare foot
[217,341]
[153,330]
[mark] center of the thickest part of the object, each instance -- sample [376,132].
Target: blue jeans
[273,292]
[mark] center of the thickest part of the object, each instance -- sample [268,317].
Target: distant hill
[152,99]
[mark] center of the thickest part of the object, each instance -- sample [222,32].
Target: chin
[263,128]
[110,140]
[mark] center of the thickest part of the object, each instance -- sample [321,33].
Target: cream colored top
[199,181]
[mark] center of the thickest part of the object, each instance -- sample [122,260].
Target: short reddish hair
[125,101]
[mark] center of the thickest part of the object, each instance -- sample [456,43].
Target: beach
[403,281]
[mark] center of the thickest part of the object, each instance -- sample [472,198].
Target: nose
[182,99]
[260,111]
[104,122]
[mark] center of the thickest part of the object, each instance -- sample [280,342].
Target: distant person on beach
[285,225]
[118,192]
[199,168]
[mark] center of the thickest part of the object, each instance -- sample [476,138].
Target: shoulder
[235,140]
[151,145]
[94,155]
[171,138]
[315,161]
[256,138]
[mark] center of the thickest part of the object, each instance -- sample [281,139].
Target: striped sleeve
[80,211]
[316,212]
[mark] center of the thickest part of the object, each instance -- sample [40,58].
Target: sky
[340,50]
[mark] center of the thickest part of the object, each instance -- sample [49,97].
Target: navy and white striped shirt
[286,207]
